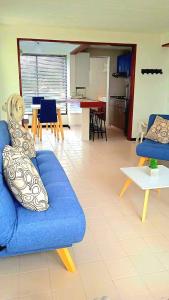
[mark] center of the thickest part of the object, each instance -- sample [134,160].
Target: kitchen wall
[151,91]
[97,78]
[115,86]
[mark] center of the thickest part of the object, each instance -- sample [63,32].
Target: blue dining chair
[48,115]
[37,99]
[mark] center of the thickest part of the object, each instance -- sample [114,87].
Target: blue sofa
[151,149]
[63,224]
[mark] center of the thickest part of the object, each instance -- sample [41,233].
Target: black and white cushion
[24,180]
[21,139]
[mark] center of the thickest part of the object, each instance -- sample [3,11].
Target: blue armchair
[63,224]
[151,149]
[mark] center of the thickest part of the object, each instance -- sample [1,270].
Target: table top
[140,176]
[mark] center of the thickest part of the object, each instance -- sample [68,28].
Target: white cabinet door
[82,67]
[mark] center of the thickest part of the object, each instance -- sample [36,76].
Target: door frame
[132,76]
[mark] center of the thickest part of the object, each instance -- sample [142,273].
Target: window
[44,76]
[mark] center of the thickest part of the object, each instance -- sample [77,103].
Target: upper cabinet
[124,64]
[82,67]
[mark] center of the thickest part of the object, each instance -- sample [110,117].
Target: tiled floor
[119,257]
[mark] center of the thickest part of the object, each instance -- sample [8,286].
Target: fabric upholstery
[159,131]
[48,112]
[8,216]
[5,138]
[24,180]
[37,100]
[63,224]
[152,149]
[21,139]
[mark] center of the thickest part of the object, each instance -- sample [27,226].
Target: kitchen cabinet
[124,64]
[117,113]
[82,67]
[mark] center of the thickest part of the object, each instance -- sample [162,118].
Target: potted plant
[153,167]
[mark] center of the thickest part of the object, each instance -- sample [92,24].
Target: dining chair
[48,115]
[37,99]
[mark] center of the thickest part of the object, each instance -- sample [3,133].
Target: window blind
[44,76]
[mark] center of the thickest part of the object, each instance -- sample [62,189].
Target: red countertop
[85,103]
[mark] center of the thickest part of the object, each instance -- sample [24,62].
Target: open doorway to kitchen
[63,69]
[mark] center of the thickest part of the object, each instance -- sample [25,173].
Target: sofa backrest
[7,207]
[152,118]
[4,135]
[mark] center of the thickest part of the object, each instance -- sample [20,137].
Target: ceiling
[115,15]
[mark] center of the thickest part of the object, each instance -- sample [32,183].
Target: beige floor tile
[135,246]
[32,262]
[65,284]
[39,296]
[157,243]
[110,250]
[34,282]
[86,252]
[9,265]
[120,268]
[131,287]
[147,264]
[9,286]
[163,257]
[97,281]
[158,284]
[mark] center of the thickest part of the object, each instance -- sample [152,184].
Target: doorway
[85,48]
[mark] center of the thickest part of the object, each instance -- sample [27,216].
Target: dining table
[84,103]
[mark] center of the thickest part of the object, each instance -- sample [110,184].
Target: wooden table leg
[146,197]
[60,123]
[34,122]
[125,186]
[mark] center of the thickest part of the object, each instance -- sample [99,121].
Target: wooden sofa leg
[142,161]
[66,259]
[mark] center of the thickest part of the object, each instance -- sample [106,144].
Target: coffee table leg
[146,197]
[126,185]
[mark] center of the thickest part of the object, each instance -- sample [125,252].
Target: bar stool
[98,123]
[48,115]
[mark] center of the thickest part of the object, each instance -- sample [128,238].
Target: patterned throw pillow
[159,131]
[21,139]
[23,180]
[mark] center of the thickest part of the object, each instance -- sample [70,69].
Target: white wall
[151,91]
[97,78]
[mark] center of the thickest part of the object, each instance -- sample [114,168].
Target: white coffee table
[146,182]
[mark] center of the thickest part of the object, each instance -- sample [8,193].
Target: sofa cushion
[153,149]
[4,135]
[61,225]
[8,217]
[21,139]
[24,180]
[159,131]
